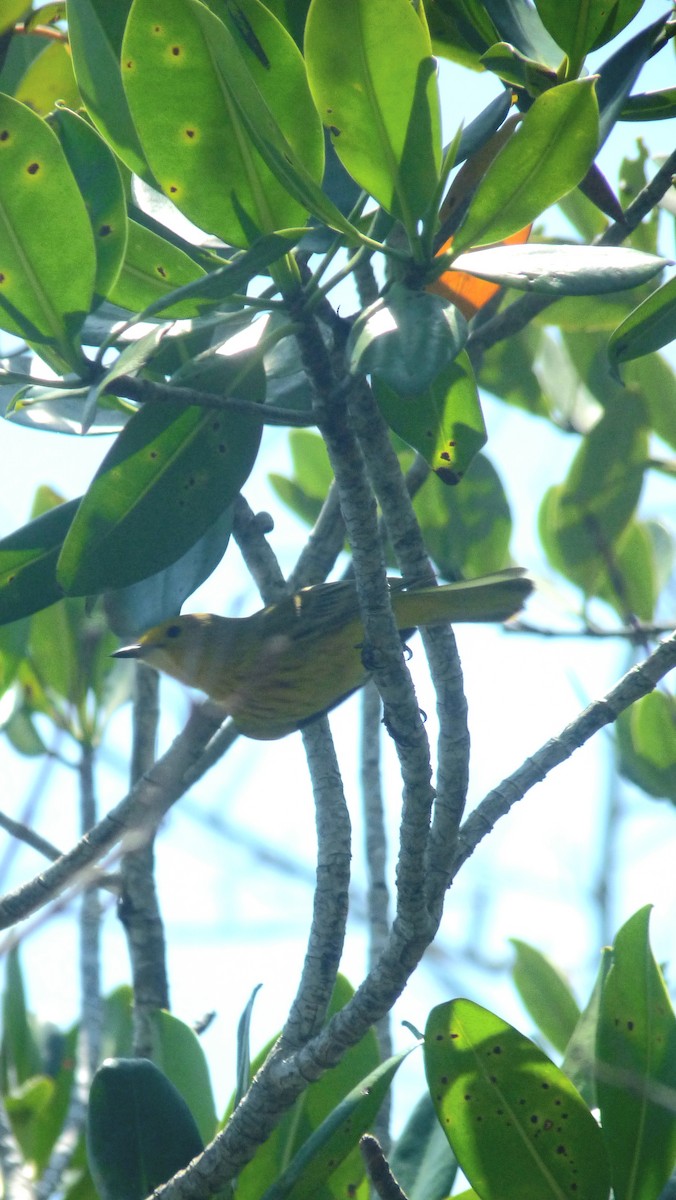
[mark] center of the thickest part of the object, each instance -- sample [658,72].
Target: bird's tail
[488,598]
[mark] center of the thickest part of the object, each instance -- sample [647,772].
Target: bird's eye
[173,631]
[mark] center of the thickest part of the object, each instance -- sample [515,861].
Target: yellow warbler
[272,672]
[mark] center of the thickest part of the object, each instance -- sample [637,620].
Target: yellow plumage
[274,671]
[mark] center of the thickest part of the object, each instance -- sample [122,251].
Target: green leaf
[517,1125]
[47,79]
[61,410]
[98,177]
[12,10]
[243,1072]
[548,155]
[521,24]
[139,1129]
[581,519]
[649,327]
[506,370]
[213,289]
[650,106]
[466,529]
[22,733]
[117,1032]
[151,272]
[173,469]
[545,993]
[636,1066]
[177,1051]
[26,1108]
[131,610]
[617,75]
[631,587]
[562,270]
[406,338]
[187,76]
[19,1054]
[460,32]
[579,1062]
[646,744]
[583,25]
[324,1155]
[443,422]
[47,256]
[95,30]
[373,78]
[306,492]
[422,1161]
[38,1109]
[290,1156]
[515,68]
[28,563]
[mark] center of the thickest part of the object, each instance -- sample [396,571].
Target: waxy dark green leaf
[327,1148]
[548,155]
[133,609]
[648,328]
[618,74]
[406,338]
[421,1159]
[174,469]
[467,529]
[650,106]
[562,270]
[28,563]
[139,1129]
[373,77]
[443,421]
[47,256]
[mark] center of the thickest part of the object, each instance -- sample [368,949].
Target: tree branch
[139,909]
[138,812]
[638,682]
[149,391]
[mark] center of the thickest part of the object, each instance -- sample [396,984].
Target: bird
[292,661]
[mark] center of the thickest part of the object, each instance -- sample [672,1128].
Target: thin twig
[637,632]
[148,391]
[638,682]
[23,833]
[379,1170]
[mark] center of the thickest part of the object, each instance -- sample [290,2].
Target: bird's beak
[127,652]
